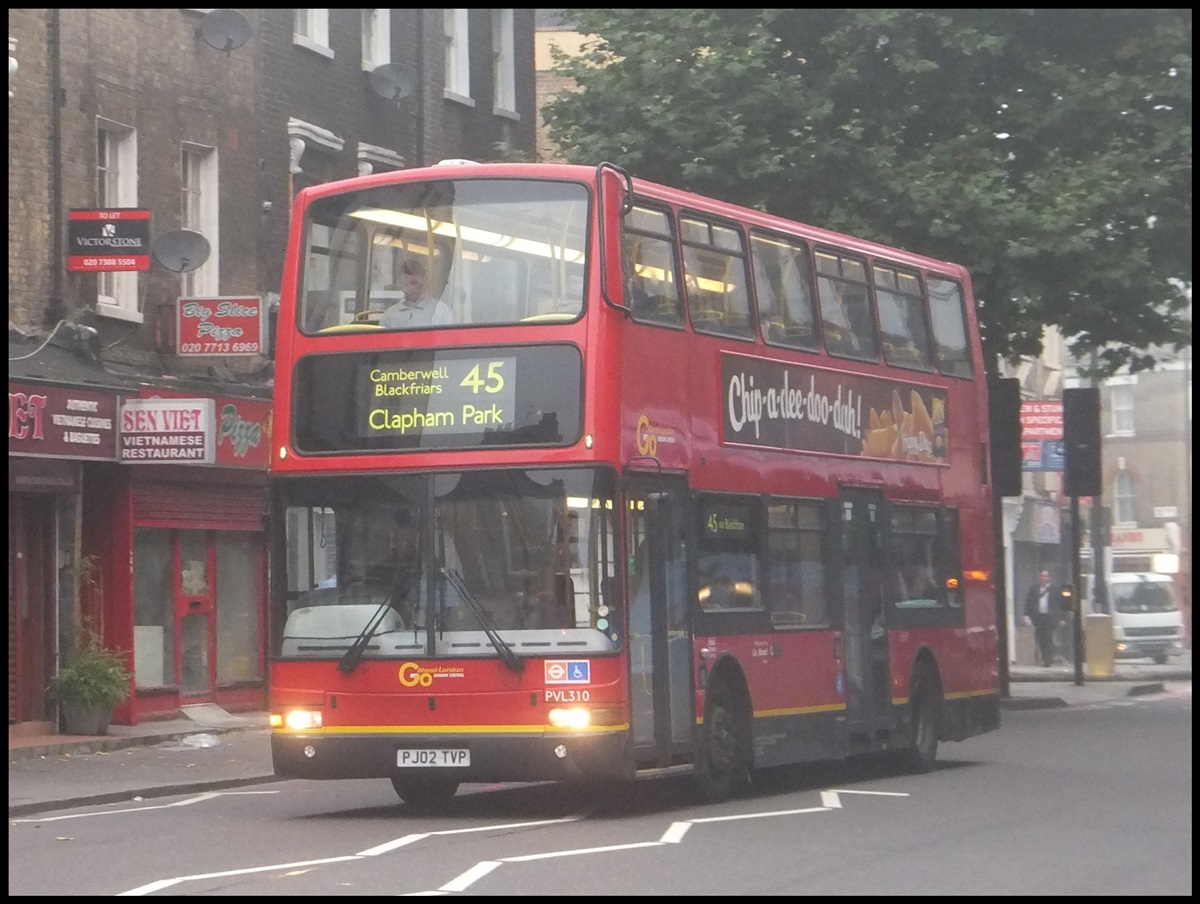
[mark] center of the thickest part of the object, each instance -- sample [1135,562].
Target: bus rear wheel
[723,767]
[925,714]
[425,793]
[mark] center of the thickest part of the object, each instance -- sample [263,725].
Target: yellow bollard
[1100,646]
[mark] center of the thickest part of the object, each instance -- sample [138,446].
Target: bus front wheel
[723,767]
[925,712]
[425,794]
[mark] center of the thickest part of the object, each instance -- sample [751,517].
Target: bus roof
[466,169]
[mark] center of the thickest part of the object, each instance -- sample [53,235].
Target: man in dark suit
[1041,611]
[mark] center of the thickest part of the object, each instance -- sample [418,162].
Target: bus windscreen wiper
[353,656]
[507,655]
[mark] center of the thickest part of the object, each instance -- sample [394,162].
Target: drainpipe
[419,157]
[56,307]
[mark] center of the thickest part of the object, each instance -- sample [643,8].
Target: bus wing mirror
[272,330]
[614,195]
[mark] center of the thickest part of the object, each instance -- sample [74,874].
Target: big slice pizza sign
[220,326]
[107,240]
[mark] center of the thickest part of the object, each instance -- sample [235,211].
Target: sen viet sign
[243,429]
[228,325]
[178,431]
[106,240]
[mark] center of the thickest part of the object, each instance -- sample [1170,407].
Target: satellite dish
[182,250]
[225,29]
[393,81]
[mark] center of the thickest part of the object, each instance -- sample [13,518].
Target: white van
[1146,617]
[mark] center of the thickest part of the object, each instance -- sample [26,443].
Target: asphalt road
[1091,799]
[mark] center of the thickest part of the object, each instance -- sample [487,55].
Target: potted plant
[89,685]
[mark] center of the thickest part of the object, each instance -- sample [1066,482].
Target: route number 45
[493,382]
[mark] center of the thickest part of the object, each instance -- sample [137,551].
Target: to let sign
[227,325]
[104,240]
[177,431]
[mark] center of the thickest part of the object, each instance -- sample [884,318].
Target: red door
[30,605]
[195,608]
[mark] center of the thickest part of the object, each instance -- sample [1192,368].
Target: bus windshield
[445,564]
[444,252]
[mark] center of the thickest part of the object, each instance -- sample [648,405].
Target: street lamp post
[1098,532]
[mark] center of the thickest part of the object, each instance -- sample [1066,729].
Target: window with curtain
[116,186]
[1124,498]
[503,68]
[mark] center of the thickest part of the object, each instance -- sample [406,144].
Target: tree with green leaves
[1048,150]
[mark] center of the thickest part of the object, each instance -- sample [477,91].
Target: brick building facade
[134,108]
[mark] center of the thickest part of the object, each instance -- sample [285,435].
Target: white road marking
[160,884]
[831,799]
[675,832]
[406,840]
[478,871]
[550,855]
[761,815]
[673,835]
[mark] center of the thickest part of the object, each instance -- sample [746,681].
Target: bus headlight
[297,719]
[569,718]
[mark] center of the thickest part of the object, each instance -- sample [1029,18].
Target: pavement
[208,749]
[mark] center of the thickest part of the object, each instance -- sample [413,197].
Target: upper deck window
[846,317]
[783,286]
[902,318]
[714,271]
[949,326]
[485,251]
[651,284]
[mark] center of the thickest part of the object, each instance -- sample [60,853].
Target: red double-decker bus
[583,477]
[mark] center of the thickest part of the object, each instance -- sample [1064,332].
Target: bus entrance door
[660,649]
[868,701]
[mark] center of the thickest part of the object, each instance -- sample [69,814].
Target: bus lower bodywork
[489,650]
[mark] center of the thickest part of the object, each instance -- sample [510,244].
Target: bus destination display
[448,395]
[438,398]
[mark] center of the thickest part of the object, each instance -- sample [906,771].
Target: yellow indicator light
[951,583]
[302,719]
[569,718]
[976,575]
[276,720]
[607,716]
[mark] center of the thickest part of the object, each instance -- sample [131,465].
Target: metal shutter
[211,507]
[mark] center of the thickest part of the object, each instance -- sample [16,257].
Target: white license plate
[439,756]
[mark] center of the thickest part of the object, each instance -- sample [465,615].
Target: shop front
[188,512]
[59,438]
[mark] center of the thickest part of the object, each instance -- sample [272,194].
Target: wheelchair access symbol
[568,671]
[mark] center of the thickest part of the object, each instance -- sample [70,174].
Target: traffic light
[1004,420]
[1067,597]
[1081,441]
